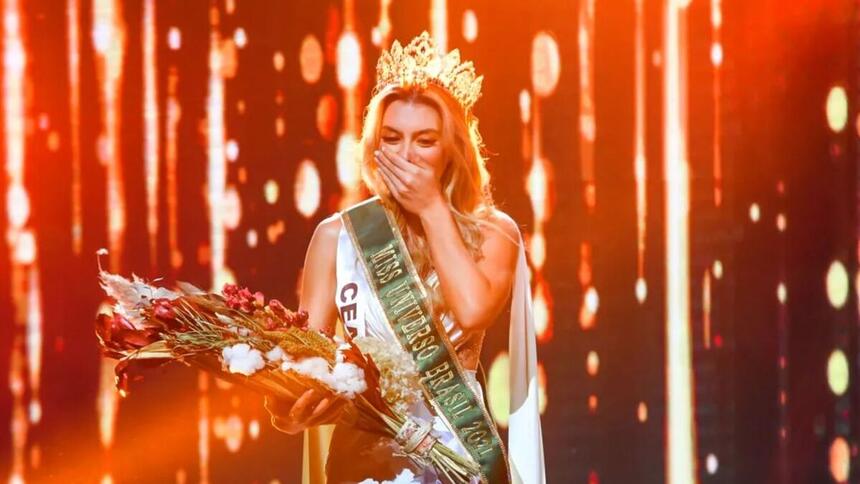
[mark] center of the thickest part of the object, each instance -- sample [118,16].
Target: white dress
[363,316]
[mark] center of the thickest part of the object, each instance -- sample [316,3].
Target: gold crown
[420,63]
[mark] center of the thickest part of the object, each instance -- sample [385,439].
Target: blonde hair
[465,181]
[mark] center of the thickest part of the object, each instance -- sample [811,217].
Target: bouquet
[241,337]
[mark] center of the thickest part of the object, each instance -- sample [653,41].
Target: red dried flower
[163,309]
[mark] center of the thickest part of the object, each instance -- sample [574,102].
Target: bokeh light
[837,109]
[642,412]
[542,312]
[781,293]
[837,284]
[307,189]
[498,392]
[348,60]
[840,460]
[270,191]
[326,116]
[545,64]
[641,290]
[838,373]
[718,269]
[755,212]
[311,59]
[348,168]
[592,363]
[174,38]
[240,37]
[717,54]
[712,464]
[470,25]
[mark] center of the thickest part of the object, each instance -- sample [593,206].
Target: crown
[420,63]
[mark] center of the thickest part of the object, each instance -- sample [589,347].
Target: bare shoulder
[330,226]
[326,234]
[502,226]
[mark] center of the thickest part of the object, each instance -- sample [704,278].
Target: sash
[404,301]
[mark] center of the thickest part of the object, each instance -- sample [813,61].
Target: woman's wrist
[434,211]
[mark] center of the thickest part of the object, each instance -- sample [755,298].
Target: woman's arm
[319,277]
[474,290]
[317,298]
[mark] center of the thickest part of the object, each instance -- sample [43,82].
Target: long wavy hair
[465,182]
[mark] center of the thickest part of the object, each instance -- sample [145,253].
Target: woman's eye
[426,142]
[389,139]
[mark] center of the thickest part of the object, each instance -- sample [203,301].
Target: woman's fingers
[399,162]
[323,408]
[407,172]
[327,410]
[304,406]
[394,184]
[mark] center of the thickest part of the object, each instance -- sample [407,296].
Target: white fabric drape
[525,441]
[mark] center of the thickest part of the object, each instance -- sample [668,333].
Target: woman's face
[414,129]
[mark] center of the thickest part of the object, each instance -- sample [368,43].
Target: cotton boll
[248,364]
[241,358]
[348,379]
[275,354]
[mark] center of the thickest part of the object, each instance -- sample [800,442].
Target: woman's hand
[313,408]
[413,183]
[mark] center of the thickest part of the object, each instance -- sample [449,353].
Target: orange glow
[542,312]
[381,33]
[310,59]
[174,113]
[592,363]
[203,426]
[592,404]
[642,412]
[587,122]
[109,42]
[34,340]
[840,460]
[706,309]
[717,62]
[151,131]
[327,116]
[217,166]
[108,402]
[542,384]
[278,61]
[640,173]
[26,327]
[73,8]
[439,23]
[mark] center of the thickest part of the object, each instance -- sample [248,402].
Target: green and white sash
[404,300]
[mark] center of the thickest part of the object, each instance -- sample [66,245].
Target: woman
[421,156]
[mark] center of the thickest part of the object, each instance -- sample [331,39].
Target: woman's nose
[406,151]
